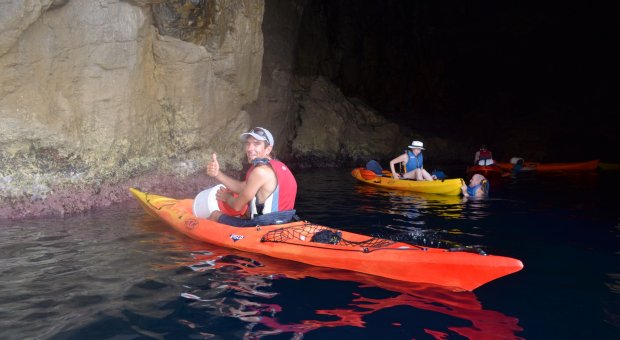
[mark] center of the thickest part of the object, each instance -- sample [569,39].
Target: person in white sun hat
[413,161]
[269,188]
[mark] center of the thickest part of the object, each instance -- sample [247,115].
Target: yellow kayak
[450,186]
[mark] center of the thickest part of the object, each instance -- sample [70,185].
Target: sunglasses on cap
[262,133]
[259,131]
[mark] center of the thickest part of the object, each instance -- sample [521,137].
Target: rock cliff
[97,96]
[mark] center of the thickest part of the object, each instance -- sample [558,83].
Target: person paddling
[269,188]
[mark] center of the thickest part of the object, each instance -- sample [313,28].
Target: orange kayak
[534,166]
[459,269]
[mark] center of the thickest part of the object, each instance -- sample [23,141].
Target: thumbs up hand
[213,167]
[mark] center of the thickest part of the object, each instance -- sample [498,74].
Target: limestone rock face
[313,123]
[91,92]
[337,130]
[276,107]
[97,96]
[16,17]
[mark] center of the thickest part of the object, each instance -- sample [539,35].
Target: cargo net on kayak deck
[320,234]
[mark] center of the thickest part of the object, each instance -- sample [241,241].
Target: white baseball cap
[260,134]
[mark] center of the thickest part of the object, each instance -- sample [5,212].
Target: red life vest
[485,154]
[283,198]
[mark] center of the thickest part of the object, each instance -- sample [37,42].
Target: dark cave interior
[535,77]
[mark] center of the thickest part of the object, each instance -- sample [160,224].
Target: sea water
[121,274]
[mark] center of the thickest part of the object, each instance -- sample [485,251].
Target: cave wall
[100,96]
[314,123]
[276,107]
[522,78]
[96,96]
[92,93]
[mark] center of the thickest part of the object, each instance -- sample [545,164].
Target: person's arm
[399,159]
[257,179]
[213,170]
[464,188]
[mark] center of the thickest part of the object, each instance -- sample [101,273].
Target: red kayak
[534,166]
[488,171]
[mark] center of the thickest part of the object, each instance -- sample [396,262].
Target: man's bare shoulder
[262,170]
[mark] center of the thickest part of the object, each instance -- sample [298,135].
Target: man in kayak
[483,156]
[478,186]
[269,187]
[414,163]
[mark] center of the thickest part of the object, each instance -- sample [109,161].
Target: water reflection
[272,296]
[414,215]
[409,204]
[477,208]
[120,274]
[57,273]
[611,308]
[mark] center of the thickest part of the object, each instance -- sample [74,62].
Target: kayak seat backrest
[375,167]
[439,174]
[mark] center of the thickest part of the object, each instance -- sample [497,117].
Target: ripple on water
[122,274]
